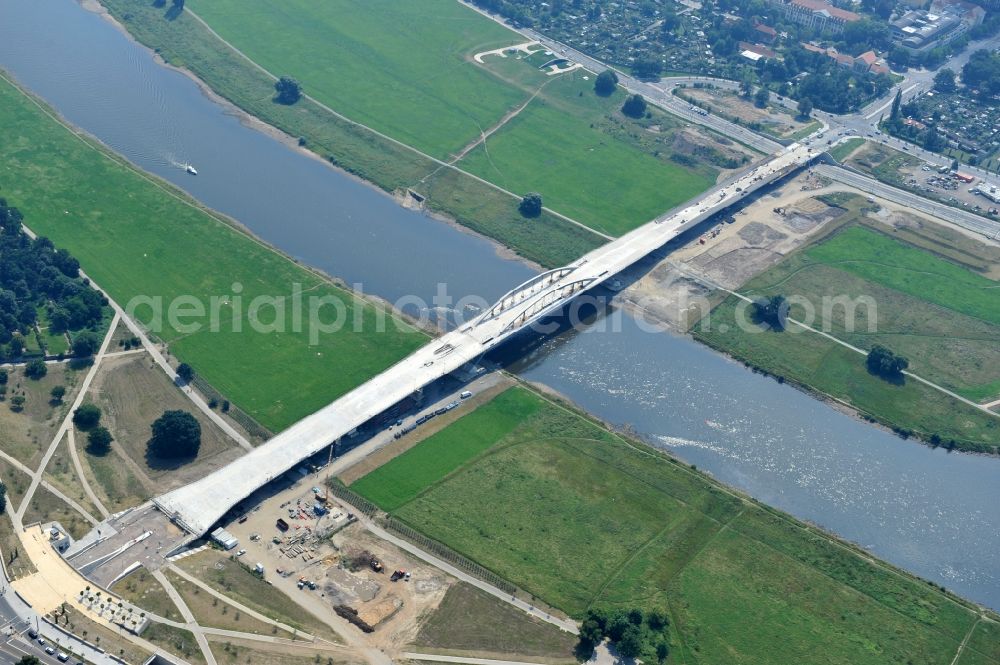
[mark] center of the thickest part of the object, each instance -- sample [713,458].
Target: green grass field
[99,209]
[846,148]
[956,350]
[883,260]
[910,290]
[588,160]
[392,485]
[579,517]
[398,67]
[185,42]
[812,360]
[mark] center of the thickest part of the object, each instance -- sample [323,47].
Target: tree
[772,311]
[634,106]
[662,651]
[4,376]
[762,97]
[746,84]
[531,205]
[647,69]
[630,645]
[883,362]
[805,107]
[176,434]
[866,34]
[288,89]
[899,58]
[897,101]
[17,403]
[36,369]
[933,140]
[606,83]
[657,619]
[982,72]
[616,626]
[85,344]
[87,417]
[591,635]
[185,372]
[29,660]
[57,394]
[3,501]
[99,441]
[954,165]
[16,345]
[944,80]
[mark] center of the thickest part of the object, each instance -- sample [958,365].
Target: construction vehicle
[397,575]
[376,565]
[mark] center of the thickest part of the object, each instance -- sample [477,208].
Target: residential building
[766,33]
[817,14]
[756,52]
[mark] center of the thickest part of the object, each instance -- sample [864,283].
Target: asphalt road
[967,220]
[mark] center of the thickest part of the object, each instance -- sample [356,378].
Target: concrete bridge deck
[197,506]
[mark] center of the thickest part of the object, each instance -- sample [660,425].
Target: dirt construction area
[325,561]
[777,120]
[679,284]
[675,286]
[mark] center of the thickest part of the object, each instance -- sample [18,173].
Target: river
[934,513]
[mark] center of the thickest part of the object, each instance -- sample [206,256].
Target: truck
[281,524]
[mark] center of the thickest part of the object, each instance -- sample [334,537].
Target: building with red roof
[817,14]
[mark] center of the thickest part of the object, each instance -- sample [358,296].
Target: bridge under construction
[199,505]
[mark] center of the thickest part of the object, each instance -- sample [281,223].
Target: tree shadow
[77,364]
[159,3]
[96,452]
[894,379]
[157,463]
[173,12]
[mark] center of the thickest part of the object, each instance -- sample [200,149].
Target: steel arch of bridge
[563,293]
[520,293]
